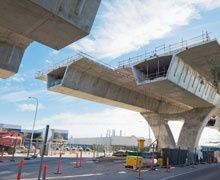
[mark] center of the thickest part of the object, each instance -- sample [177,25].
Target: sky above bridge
[122,29]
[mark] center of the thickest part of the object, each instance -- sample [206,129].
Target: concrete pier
[161,130]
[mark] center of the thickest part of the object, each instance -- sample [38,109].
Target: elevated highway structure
[176,84]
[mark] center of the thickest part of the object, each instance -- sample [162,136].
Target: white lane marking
[189,172]
[65,177]
[122,172]
[177,175]
[144,170]
[5,172]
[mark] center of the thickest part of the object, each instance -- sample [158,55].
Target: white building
[130,141]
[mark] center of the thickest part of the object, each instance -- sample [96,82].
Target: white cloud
[97,123]
[15,96]
[127,25]
[29,107]
[48,61]
[21,95]
[18,78]
[55,52]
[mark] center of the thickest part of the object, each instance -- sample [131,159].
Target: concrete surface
[56,24]
[12,47]
[104,170]
[166,86]
[84,78]
[160,129]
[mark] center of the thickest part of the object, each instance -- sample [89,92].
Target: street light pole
[35,116]
[32,133]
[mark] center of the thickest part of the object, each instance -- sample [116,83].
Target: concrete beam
[12,47]
[81,84]
[202,57]
[179,81]
[161,130]
[55,23]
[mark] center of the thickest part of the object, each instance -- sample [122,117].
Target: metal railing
[154,75]
[163,49]
[55,82]
[68,61]
[63,63]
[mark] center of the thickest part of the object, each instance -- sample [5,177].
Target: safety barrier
[2,155]
[44,171]
[20,166]
[59,165]
[139,169]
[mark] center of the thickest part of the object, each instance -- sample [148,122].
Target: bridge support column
[195,122]
[161,130]
[12,47]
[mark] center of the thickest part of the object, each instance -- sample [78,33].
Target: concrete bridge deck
[163,87]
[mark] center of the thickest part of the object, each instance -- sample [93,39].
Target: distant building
[57,135]
[54,135]
[9,127]
[37,136]
[126,141]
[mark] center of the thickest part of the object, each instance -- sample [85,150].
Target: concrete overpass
[55,23]
[173,85]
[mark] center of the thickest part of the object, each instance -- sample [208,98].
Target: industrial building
[10,127]
[54,135]
[115,141]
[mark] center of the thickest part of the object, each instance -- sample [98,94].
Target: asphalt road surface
[104,171]
[207,173]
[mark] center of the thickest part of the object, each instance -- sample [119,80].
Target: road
[207,173]
[104,171]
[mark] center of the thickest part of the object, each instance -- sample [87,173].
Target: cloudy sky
[122,29]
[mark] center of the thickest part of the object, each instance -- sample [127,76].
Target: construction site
[178,82]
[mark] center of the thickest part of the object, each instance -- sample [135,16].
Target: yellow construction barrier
[133,161]
[160,162]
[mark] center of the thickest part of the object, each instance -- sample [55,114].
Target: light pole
[32,133]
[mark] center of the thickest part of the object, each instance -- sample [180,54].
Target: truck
[9,140]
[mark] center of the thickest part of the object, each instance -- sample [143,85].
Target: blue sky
[121,29]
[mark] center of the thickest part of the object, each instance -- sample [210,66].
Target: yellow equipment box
[160,162]
[134,161]
[141,144]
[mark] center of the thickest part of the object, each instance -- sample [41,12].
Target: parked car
[21,149]
[88,149]
[120,153]
[79,148]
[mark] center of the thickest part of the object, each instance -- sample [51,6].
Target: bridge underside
[175,91]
